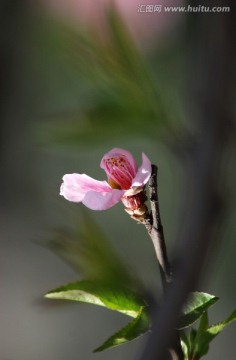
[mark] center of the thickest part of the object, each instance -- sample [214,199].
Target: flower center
[120,172]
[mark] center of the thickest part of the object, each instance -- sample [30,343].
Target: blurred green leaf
[184,344]
[203,323]
[192,340]
[89,252]
[196,305]
[114,297]
[117,92]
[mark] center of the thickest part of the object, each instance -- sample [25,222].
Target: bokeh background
[78,79]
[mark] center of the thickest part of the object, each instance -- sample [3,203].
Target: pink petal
[102,200]
[76,186]
[116,152]
[143,174]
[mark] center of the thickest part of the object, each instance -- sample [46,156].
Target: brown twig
[155,230]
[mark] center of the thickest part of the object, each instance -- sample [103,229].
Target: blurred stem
[155,230]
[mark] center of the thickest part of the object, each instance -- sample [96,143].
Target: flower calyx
[135,205]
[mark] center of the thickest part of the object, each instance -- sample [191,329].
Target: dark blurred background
[78,78]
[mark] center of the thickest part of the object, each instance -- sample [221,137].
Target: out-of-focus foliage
[118,94]
[89,252]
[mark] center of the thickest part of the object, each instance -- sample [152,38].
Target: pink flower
[125,181]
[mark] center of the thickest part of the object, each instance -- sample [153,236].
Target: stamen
[120,171]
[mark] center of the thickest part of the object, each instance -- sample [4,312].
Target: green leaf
[196,305]
[113,297]
[134,329]
[192,340]
[209,334]
[203,323]
[184,344]
[100,293]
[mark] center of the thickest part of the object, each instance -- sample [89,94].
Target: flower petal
[143,173]
[76,186]
[102,200]
[117,152]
